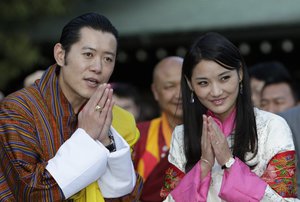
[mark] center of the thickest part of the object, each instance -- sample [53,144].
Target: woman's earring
[241,88]
[192,97]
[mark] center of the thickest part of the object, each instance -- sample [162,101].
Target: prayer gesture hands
[213,143]
[96,116]
[208,156]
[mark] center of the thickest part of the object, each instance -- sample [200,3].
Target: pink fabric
[228,125]
[238,183]
[191,188]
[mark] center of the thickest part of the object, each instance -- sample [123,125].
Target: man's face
[277,98]
[89,63]
[166,88]
[256,87]
[128,104]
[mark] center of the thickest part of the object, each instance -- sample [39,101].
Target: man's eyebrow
[88,48]
[110,53]
[93,49]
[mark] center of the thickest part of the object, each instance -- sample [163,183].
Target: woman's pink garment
[237,185]
[191,188]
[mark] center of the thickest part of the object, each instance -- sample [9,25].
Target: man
[58,139]
[128,97]
[278,95]
[151,151]
[263,72]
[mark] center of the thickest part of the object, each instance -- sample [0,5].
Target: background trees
[18,51]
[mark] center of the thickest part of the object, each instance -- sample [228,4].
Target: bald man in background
[151,151]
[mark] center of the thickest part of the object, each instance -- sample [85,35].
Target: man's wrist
[106,141]
[111,146]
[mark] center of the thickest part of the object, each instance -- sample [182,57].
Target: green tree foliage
[18,52]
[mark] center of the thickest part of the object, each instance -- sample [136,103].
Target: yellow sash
[91,193]
[124,123]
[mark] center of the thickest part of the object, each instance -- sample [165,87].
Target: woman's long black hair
[215,47]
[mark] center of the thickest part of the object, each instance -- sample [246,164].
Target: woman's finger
[204,130]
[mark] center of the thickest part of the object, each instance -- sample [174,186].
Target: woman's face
[217,88]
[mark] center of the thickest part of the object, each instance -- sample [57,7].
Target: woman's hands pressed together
[219,143]
[214,145]
[208,157]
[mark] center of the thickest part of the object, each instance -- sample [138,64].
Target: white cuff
[78,162]
[119,179]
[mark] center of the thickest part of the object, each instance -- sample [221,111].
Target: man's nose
[272,108]
[97,65]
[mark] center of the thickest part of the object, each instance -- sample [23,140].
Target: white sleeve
[176,153]
[119,178]
[78,162]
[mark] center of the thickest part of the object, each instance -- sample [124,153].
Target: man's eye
[88,54]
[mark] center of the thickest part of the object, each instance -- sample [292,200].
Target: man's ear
[154,91]
[59,54]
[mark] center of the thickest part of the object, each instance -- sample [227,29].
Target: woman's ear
[240,75]
[59,54]
[189,83]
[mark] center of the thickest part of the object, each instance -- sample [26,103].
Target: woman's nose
[216,90]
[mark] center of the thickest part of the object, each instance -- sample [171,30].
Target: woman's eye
[202,83]
[168,87]
[108,59]
[224,78]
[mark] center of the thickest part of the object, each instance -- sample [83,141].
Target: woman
[226,150]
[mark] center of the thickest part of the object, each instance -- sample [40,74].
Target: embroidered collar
[52,93]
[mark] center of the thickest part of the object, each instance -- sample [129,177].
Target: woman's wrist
[207,162]
[205,166]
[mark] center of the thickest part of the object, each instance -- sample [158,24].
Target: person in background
[149,105]
[263,72]
[128,97]
[62,137]
[226,150]
[292,116]
[279,94]
[151,151]
[31,78]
